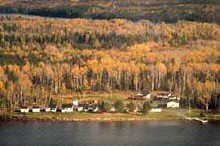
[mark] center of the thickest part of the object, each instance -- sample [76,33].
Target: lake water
[142,133]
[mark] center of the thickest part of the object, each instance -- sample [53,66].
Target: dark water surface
[146,133]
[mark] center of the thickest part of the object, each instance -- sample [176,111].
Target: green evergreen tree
[119,105]
[146,108]
[131,106]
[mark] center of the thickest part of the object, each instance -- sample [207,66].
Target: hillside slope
[59,57]
[156,11]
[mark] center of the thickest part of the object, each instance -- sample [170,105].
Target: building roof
[84,105]
[156,107]
[171,96]
[24,107]
[52,105]
[94,106]
[163,94]
[139,94]
[175,100]
[67,105]
[35,107]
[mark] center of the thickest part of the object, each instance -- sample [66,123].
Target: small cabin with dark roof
[67,108]
[147,96]
[51,108]
[173,104]
[156,109]
[24,109]
[82,107]
[35,109]
[47,109]
[93,108]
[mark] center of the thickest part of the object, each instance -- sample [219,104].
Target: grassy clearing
[207,114]
[89,97]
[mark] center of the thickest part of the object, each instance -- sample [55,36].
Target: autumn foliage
[43,57]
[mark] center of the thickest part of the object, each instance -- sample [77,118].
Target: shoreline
[105,119]
[9,118]
[63,119]
[88,120]
[167,114]
[16,118]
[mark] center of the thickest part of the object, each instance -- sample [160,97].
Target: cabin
[35,109]
[113,109]
[24,109]
[51,108]
[93,108]
[147,96]
[139,94]
[172,97]
[156,110]
[163,95]
[47,109]
[173,104]
[82,107]
[67,108]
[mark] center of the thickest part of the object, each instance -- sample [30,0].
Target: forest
[154,10]
[44,57]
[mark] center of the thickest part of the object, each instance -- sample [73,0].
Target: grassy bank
[203,114]
[167,114]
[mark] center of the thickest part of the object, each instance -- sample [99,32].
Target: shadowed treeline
[157,11]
